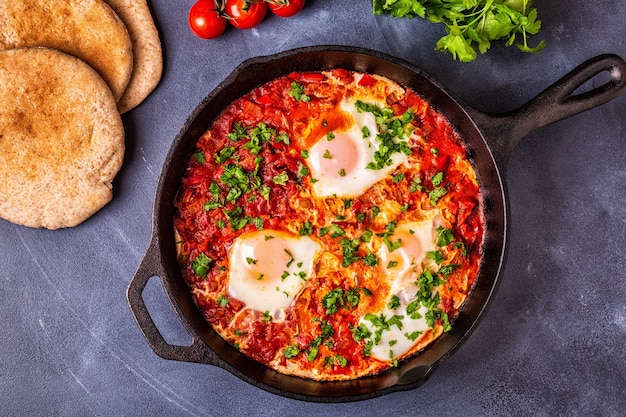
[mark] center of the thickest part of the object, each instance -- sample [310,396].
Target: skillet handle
[504,130]
[151,266]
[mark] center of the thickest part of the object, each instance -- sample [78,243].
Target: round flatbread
[147,54]
[88,29]
[61,139]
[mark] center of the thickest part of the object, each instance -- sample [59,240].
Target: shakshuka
[329,224]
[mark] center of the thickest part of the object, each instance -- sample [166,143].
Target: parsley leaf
[306,229]
[471,25]
[349,249]
[393,133]
[297,92]
[333,300]
[222,300]
[291,351]
[444,236]
[199,156]
[281,179]
[200,265]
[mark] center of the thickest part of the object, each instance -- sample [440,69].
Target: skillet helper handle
[149,267]
[555,103]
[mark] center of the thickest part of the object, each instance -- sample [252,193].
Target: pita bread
[61,139]
[88,29]
[147,54]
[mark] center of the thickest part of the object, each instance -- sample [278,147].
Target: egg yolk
[405,258]
[268,268]
[335,158]
[265,258]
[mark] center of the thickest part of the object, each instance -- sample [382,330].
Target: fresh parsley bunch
[471,24]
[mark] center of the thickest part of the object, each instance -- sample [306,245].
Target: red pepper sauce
[236,184]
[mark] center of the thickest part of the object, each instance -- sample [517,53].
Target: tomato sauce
[235,186]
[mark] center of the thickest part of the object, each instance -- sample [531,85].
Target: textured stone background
[551,343]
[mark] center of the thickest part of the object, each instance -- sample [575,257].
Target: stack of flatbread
[68,70]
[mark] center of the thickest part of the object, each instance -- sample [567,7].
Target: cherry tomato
[286,8]
[245,14]
[205,20]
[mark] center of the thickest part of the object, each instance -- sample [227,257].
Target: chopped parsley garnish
[416,184]
[461,245]
[361,332]
[266,316]
[447,269]
[349,249]
[436,256]
[336,231]
[393,133]
[306,229]
[281,179]
[199,156]
[333,300]
[437,179]
[436,194]
[215,190]
[392,264]
[336,360]
[444,236]
[381,323]
[238,132]
[235,176]
[392,246]
[210,205]
[291,351]
[259,135]
[337,298]
[236,219]
[200,265]
[297,92]
[398,178]
[394,302]
[303,170]
[370,259]
[284,138]
[291,259]
[222,300]
[352,297]
[225,153]
[412,309]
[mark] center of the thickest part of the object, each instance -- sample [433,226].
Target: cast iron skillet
[490,139]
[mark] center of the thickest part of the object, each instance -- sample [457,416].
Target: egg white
[327,156]
[268,268]
[403,274]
